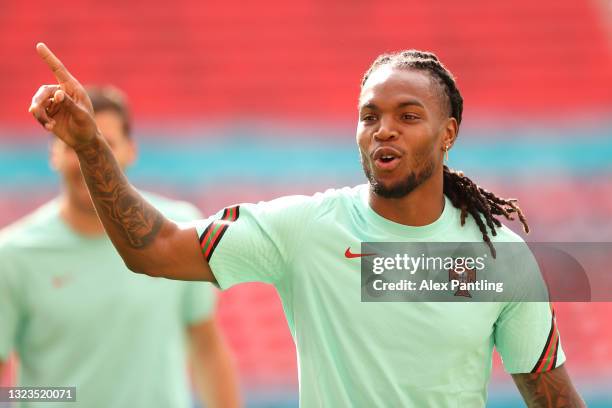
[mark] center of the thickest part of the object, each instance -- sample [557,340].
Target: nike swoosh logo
[61,281]
[349,254]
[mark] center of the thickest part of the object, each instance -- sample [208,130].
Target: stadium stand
[288,59]
[197,63]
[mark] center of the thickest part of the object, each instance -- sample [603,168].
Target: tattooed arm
[549,389]
[147,242]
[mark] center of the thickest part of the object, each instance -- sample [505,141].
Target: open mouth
[387,163]
[386,158]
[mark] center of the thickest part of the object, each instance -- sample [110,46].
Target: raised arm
[147,241]
[549,389]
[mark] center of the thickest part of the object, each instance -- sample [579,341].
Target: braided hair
[482,205]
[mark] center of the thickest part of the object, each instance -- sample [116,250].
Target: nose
[386,130]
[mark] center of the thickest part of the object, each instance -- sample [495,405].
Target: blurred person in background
[75,317]
[350,353]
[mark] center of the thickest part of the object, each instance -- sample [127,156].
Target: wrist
[93,142]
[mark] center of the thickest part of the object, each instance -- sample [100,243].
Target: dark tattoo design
[549,389]
[115,198]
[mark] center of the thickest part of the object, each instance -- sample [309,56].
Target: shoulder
[175,209]
[340,196]
[34,229]
[306,205]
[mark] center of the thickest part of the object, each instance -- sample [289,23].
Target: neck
[82,219]
[422,206]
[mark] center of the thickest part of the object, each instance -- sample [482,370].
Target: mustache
[402,187]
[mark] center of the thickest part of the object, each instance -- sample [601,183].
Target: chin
[399,186]
[82,200]
[396,189]
[86,205]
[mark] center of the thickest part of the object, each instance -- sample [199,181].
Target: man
[76,318]
[350,353]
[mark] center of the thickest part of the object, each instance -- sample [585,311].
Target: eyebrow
[409,102]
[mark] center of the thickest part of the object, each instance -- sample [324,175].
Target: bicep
[548,389]
[241,243]
[178,256]
[527,338]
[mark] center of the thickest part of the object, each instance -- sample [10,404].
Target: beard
[401,188]
[79,195]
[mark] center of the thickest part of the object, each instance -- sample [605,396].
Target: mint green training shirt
[77,316]
[357,354]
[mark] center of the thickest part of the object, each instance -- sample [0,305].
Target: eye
[368,117]
[409,116]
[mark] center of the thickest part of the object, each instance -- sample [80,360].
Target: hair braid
[482,205]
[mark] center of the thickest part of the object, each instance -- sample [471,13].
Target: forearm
[147,242]
[214,376]
[131,223]
[551,389]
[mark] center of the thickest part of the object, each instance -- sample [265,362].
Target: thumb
[62,98]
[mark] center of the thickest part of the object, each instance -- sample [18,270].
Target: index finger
[59,70]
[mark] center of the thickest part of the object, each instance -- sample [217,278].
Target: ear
[54,154]
[132,153]
[449,135]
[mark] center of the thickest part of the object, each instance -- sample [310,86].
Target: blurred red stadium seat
[296,59]
[252,318]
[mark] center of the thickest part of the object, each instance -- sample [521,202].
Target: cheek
[73,165]
[423,151]
[123,154]
[424,155]
[68,164]
[121,159]
[362,139]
